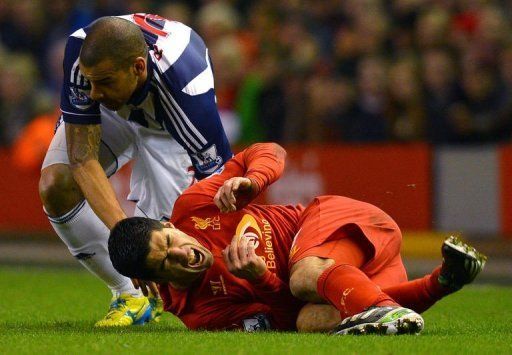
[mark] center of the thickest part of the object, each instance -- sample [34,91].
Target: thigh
[161,171]
[116,149]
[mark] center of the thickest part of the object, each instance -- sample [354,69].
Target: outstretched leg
[461,264]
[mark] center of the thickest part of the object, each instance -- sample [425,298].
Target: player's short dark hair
[113,38]
[128,246]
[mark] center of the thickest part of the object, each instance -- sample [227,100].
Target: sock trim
[68,216]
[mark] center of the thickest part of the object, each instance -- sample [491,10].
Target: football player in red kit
[225,263]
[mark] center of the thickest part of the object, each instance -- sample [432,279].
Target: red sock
[349,290]
[420,294]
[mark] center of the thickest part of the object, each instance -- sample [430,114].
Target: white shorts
[161,167]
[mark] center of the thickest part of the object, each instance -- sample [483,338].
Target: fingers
[251,250]
[225,198]
[233,253]
[153,288]
[146,287]
[242,250]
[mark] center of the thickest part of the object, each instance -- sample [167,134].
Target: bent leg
[418,295]
[334,276]
[71,216]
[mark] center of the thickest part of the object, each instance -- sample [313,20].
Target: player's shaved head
[113,38]
[128,246]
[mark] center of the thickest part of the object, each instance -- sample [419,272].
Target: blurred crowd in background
[293,71]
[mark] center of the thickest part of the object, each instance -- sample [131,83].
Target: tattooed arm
[83,143]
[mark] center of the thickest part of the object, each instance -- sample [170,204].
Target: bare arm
[83,143]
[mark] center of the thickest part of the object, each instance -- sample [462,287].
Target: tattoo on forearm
[83,142]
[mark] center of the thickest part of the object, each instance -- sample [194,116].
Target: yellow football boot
[126,310]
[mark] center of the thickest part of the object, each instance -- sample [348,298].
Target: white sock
[87,239]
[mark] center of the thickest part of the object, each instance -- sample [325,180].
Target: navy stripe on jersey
[149,37]
[190,64]
[204,139]
[180,120]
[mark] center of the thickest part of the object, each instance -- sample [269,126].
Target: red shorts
[326,216]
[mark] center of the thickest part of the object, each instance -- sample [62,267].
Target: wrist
[255,187]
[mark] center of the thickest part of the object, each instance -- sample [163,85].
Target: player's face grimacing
[112,86]
[176,257]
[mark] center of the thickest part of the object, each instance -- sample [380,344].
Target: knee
[58,190]
[304,277]
[314,318]
[303,285]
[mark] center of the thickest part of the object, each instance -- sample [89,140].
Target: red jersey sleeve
[263,163]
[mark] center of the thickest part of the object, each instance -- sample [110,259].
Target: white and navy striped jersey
[178,95]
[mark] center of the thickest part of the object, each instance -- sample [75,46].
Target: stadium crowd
[294,70]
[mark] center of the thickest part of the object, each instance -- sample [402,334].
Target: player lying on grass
[282,267]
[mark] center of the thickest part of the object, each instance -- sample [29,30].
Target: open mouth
[195,258]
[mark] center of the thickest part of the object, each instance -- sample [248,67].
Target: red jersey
[220,300]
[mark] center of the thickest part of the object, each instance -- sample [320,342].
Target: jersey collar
[139,95]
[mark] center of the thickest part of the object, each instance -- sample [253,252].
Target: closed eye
[162,264]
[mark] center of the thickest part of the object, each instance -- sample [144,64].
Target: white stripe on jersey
[180,115]
[173,119]
[80,114]
[73,72]
[79,34]
[175,47]
[201,83]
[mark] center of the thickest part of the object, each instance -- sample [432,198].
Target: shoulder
[174,44]
[181,57]
[189,203]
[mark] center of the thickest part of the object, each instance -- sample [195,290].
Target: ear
[140,66]
[168,224]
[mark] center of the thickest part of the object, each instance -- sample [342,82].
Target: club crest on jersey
[79,99]
[80,88]
[200,223]
[207,161]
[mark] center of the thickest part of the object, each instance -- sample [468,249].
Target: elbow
[279,151]
[77,163]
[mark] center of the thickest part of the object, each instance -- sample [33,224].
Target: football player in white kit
[136,87]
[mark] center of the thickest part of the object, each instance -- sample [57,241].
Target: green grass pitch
[45,310]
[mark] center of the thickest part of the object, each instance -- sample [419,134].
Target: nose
[95,94]
[179,255]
